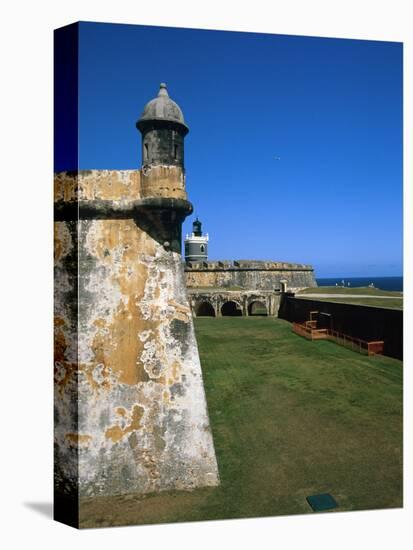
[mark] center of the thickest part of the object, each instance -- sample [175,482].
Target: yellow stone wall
[126,357]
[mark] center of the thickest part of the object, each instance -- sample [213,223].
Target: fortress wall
[115,185]
[262,279]
[217,298]
[131,413]
[66,457]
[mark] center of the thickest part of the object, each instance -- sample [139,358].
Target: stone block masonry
[130,407]
[249,275]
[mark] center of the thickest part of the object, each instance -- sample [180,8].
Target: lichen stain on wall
[141,395]
[110,185]
[65,355]
[130,408]
[115,185]
[115,433]
[118,286]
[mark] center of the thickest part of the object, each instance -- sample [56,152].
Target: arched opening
[205,309]
[231,309]
[257,308]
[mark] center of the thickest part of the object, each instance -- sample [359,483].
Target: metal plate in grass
[322,502]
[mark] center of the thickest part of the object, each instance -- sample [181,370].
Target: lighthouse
[196,244]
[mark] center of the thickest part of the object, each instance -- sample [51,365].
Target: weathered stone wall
[249,275]
[66,459]
[127,360]
[162,145]
[244,298]
[163,181]
[110,185]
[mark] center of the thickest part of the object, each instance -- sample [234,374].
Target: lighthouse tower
[196,244]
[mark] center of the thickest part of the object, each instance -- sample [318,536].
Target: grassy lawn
[395,303]
[216,289]
[394,299]
[290,418]
[350,290]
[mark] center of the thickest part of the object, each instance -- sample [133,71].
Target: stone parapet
[249,275]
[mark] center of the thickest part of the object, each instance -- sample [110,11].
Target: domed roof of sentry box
[162,108]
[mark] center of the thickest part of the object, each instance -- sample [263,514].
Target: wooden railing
[375,348]
[310,331]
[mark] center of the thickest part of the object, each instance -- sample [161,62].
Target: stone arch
[230,308]
[258,306]
[205,309]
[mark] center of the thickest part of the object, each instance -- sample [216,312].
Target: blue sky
[330,109]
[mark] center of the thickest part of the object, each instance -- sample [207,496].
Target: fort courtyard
[290,418]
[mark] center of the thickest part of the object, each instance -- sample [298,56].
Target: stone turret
[163,131]
[162,187]
[131,414]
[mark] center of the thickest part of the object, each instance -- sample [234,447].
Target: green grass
[397,303]
[290,418]
[216,289]
[394,299]
[350,290]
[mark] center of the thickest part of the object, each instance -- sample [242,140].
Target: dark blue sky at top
[331,109]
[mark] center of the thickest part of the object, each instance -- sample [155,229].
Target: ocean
[384,283]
